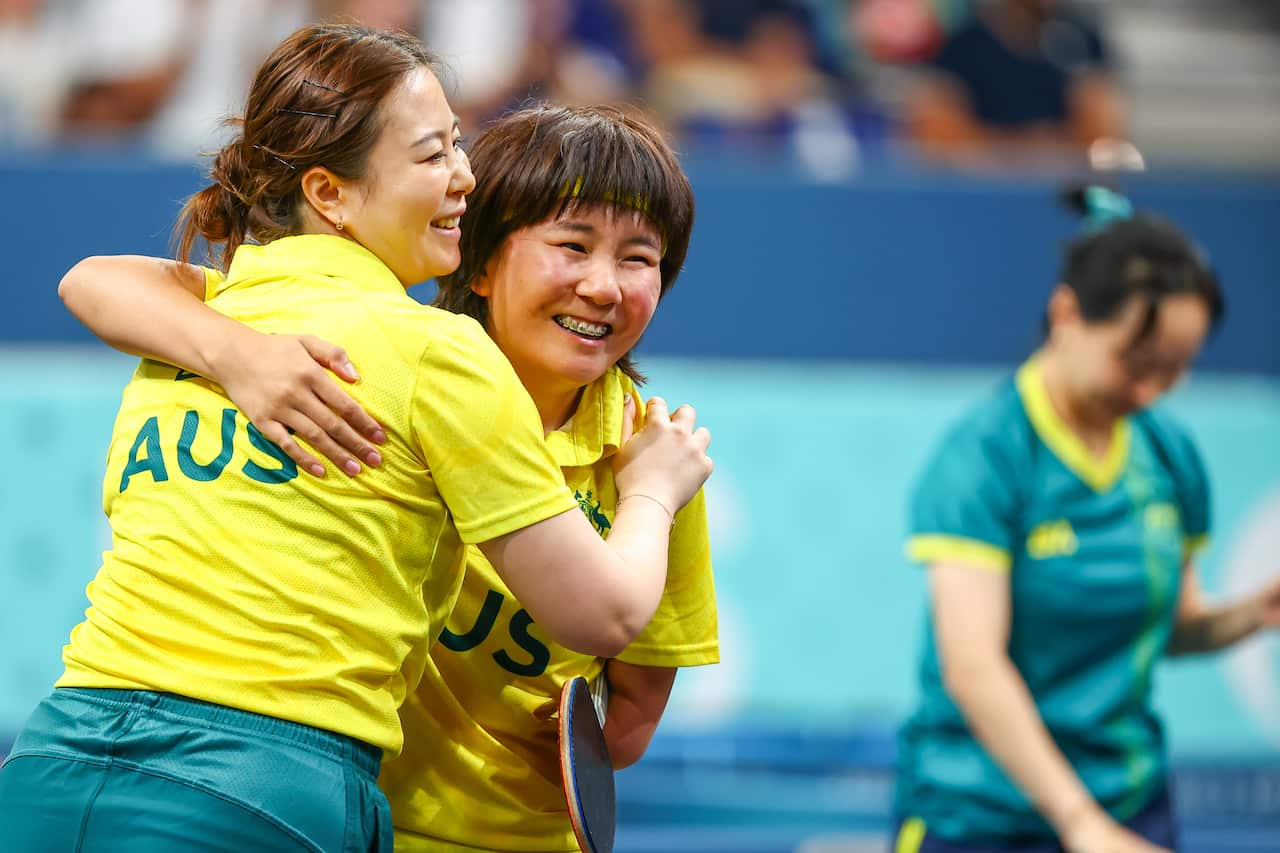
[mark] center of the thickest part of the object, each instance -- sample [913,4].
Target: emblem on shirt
[1160,516]
[1052,539]
[592,511]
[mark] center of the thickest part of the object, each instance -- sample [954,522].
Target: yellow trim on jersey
[938,547]
[1194,545]
[235,579]
[1099,474]
[480,768]
[910,836]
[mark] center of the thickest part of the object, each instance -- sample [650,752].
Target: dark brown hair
[1128,255]
[314,102]
[540,162]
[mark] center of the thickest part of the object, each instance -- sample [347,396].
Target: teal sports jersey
[1095,550]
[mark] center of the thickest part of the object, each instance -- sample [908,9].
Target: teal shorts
[97,770]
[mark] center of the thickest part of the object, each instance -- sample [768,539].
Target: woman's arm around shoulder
[155,308]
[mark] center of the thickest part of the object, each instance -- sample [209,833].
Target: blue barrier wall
[820,613]
[902,268]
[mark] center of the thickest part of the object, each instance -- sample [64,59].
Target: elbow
[590,633]
[613,629]
[73,283]
[967,678]
[610,639]
[625,753]
[627,738]
[70,282]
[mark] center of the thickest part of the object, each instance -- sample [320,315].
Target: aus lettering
[533,657]
[147,454]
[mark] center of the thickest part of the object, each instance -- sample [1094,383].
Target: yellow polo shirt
[480,767]
[232,579]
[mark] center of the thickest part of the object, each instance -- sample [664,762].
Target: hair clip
[307,113]
[323,86]
[1104,206]
[275,157]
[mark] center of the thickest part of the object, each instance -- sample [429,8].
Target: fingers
[656,410]
[279,435]
[628,418]
[685,416]
[352,426]
[320,438]
[331,356]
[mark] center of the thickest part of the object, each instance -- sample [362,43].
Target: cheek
[1110,377]
[641,300]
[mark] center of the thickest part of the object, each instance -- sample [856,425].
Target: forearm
[639,539]
[1003,717]
[637,699]
[153,314]
[591,595]
[1216,627]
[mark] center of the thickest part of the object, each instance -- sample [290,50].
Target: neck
[555,403]
[1090,426]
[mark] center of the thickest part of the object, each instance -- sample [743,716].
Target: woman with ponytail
[577,228]
[252,632]
[1059,521]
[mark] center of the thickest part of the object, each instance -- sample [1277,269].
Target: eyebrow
[437,134]
[588,228]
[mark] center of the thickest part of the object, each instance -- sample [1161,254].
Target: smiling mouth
[594,331]
[451,222]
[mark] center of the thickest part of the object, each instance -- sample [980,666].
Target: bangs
[573,161]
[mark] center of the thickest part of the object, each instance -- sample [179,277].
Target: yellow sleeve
[213,280]
[481,436]
[684,630]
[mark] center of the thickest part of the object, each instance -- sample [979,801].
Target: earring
[339,225]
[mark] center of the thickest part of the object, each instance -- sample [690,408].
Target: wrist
[662,504]
[1074,817]
[220,347]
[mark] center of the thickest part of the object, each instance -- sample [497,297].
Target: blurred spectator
[127,58]
[1029,78]
[157,72]
[32,68]
[749,73]
[505,52]
[225,41]
[404,15]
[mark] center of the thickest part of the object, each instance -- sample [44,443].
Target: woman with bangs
[252,632]
[578,225]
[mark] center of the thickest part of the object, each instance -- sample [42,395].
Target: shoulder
[994,428]
[443,333]
[1171,441]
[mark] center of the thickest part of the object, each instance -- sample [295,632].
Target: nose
[600,283]
[462,181]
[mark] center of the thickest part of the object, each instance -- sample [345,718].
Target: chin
[583,371]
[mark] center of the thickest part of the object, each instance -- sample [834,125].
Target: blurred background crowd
[877,236]
[834,83]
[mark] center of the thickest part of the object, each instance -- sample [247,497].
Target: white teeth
[451,222]
[582,327]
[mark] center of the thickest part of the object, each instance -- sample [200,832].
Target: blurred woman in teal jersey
[1059,520]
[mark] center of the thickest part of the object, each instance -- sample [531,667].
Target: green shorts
[97,770]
